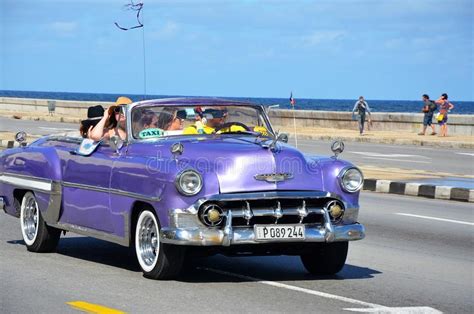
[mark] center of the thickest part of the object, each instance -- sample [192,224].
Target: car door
[86,185]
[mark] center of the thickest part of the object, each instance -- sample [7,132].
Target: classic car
[204,175]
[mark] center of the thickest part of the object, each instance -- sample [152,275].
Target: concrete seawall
[390,121]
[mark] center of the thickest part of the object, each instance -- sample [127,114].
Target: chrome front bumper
[185,228]
[234,236]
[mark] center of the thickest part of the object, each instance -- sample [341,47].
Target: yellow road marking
[93,308]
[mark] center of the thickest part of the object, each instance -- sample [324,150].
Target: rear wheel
[326,258]
[157,260]
[37,235]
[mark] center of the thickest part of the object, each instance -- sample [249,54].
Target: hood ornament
[273,177]
[337,147]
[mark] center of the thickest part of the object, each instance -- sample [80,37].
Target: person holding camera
[113,123]
[429,107]
[444,107]
[361,107]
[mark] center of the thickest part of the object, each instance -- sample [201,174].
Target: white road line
[399,310]
[467,154]
[401,160]
[373,308]
[374,154]
[439,219]
[294,288]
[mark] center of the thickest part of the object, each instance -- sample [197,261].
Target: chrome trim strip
[268,195]
[51,214]
[50,186]
[93,233]
[111,191]
[28,182]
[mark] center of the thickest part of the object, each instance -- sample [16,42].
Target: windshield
[155,121]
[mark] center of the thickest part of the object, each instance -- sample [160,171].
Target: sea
[376,105]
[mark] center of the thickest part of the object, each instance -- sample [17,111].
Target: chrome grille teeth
[303,211]
[278,213]
[248,214]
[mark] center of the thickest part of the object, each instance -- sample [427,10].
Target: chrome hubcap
[30,218]
[148,242]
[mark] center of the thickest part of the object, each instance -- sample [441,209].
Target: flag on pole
[292,100]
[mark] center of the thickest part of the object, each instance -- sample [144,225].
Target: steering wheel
[229,124]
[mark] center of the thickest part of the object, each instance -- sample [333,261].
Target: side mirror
[20,137]
[283,137]
[269,108]
[116,143]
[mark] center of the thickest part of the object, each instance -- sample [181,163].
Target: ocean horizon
[376,105]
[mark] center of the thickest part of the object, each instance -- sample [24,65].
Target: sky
[323,49]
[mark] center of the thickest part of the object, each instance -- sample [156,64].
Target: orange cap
[122,100]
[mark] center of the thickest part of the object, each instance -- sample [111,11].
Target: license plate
[279,232]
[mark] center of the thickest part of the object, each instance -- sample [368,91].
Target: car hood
[242,164]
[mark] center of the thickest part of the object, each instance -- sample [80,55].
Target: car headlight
[351,179]
[189,182]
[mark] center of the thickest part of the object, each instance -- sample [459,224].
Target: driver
[209,120]
[213,120]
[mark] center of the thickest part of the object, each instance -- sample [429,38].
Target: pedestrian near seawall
[429,107]
[444,107]
[361,108]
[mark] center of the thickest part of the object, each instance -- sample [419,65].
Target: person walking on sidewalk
[429,107]
[362,107]
[444,107]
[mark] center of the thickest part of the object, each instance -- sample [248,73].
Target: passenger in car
[94,115]
[113,123]
[171,119]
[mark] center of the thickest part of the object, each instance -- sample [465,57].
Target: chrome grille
[246,213]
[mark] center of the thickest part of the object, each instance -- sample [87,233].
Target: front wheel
[37,236]
[326,258]
[157,260]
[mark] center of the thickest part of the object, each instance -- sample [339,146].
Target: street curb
[418,189]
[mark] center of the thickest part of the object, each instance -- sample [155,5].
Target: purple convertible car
[193,175]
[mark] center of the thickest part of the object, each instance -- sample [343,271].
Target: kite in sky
[133,7]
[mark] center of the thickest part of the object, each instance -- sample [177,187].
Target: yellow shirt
[192,129]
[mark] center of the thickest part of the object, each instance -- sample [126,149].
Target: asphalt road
[405,261]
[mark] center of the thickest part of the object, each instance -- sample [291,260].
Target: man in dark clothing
[429,107]
[361,107]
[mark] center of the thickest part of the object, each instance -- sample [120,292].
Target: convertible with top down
[192,175]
